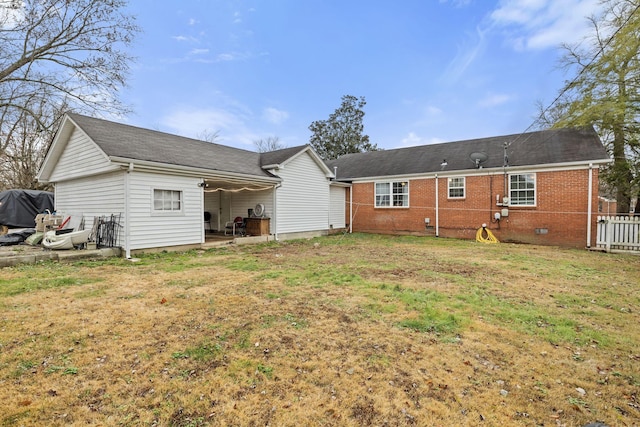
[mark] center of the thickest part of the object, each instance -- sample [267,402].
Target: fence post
[608,234]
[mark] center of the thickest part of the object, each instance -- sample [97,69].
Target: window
[392,194]
[456,188]
[522,189]
[167,200]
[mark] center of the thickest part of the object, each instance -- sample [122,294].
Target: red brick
[561,208]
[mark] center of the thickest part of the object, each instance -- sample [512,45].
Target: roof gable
[72,146]
[547,147]
[279,158]
[122,142]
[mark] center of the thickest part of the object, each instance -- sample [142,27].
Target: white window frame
[457,179]
[170,206]
[521,199]
[388,197]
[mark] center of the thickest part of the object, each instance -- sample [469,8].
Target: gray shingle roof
[535,148]
[130,142]
[280,156]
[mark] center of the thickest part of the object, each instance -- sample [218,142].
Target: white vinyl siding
[91,197]
[81,157]
[239,203]
[212,205]
[303,198]
[149,230]
[337,208]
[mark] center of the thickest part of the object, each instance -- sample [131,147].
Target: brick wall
[559,217]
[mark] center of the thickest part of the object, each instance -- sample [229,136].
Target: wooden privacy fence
[618,233]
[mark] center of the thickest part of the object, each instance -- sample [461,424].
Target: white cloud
[465,56]
[412,140]
[457,3]
[275,116]
[193,21]
[541,24]
[433,111]
[231,56]
[9,15]
[494,99]
[231,123]
[198,51]
[190,121]
[428,116]
[185,39]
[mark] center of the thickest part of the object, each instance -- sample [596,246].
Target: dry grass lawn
[340,331]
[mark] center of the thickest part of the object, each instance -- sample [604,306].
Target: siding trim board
[479,172]
[177,170]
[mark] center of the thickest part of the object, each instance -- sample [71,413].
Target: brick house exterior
[539,188]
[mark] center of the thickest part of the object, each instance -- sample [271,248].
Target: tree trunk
[622,172]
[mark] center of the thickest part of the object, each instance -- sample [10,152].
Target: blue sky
[430,70]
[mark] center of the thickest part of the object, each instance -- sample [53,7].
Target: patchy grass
[340,331]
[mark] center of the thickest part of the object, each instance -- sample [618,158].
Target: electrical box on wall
[505,212]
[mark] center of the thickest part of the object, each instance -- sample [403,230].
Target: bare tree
[60,53]
[605,93]
[26,145]
[271,143]
[209,135]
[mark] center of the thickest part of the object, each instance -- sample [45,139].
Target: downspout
[203,235]
[219,209]
[589,206]
[127,226]
[274,223]
[437,211]
[351,209]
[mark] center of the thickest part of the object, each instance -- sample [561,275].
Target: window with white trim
[522,189]
[456,188]
[392,194]
[167,200]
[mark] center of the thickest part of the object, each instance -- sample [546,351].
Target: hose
[490,237]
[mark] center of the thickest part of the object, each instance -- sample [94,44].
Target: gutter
[483,171]
[144,165]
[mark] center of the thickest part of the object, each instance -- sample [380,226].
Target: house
[607,206]
[539,187]
[161,185]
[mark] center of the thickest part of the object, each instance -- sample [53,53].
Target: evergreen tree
[342,133]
